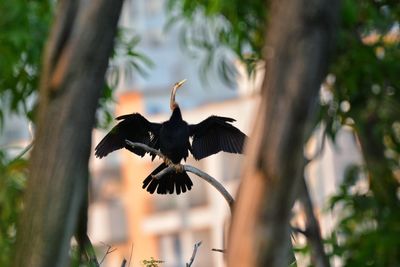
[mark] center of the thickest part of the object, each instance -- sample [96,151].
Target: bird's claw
[167,161]
[178,167]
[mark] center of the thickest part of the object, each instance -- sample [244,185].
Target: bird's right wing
[133,127]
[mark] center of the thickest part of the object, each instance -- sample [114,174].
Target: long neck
[176,114]
[172,103]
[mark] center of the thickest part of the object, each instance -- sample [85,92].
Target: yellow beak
[179,84]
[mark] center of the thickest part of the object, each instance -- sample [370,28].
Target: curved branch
[206,177]
[212,181]
[163,172]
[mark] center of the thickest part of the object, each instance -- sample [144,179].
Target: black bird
[172,138]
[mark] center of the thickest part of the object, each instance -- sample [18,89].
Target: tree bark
[299,39]
[76,59]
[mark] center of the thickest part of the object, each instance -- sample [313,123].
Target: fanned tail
[167,183]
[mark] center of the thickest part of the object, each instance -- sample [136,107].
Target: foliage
[124,61]
[367,231]
[12,181]
[365,92]
[219,27]
[364,74]
[23,28]
[152,262]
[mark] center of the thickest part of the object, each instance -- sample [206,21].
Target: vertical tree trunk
[299,39]
[73,75]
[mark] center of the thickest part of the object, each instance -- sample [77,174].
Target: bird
[174,138]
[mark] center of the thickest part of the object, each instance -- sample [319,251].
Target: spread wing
[133,127]
[215,134]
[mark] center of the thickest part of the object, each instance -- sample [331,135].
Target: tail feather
[166,184]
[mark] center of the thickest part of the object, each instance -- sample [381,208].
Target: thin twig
[313,232]
[219,250]
[206,177]
[23,152]
[109,250]
[195,247]
[130,256]
[299,231]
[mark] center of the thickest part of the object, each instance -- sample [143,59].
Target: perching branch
[212,181]
[196,246]
[209,179]
[217,185]
[151,150]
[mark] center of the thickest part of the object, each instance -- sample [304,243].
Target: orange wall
[135,199]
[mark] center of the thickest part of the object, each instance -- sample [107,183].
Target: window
[107,222]
[170,248]
[106,184]
[231,165]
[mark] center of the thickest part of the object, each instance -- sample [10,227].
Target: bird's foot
[178,167]
[167,161]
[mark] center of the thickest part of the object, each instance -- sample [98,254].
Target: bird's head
[172,103]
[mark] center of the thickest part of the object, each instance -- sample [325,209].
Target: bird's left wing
[215,134]
[133,127]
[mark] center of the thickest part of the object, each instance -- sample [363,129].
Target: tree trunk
[76,59]
[299,39]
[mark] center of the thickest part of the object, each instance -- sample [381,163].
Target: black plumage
[179,181]
[172,138]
